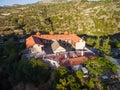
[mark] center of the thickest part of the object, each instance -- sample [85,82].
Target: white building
[80,45]
[56,47]
[37,48]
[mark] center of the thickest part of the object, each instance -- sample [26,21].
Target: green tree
[94,67]
[72,83]
[10,48]
[62,84]
[61,71]
[87,83]
[90,41]
[94,82]
[80,74]
[97,44]
[97,65]
[68,83]
[65,80]
[34,71]
[91,84]
[118,45]
[106,47]
[9,66]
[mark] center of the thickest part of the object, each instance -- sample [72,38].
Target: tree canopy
[35,71]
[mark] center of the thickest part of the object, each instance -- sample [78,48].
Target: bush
[118,45]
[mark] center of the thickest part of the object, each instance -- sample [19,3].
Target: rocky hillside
[91,18]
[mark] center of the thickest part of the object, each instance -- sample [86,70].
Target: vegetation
[97,20]
[88,83]
[26,71]
[34,71]
[102,44]
[97,66]
[91,18]
[38,73]
[65,80]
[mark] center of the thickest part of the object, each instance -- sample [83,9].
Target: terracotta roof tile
[70,61]
[73,61]
[38,36]
[73,37]
[30,41]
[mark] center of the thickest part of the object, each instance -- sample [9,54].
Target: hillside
[98,22]
[91,18]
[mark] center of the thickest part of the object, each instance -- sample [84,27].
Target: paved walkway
[115,61]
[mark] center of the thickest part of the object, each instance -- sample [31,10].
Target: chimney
[66,33]
[38,33]
[51,33]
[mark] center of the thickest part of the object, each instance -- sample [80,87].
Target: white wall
[37,49]
[80,44]
[60,49]
[53,64]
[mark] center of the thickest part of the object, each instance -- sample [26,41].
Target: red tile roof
[70,60]
[72,37]
[30,41]
[77,60]
[73,61]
